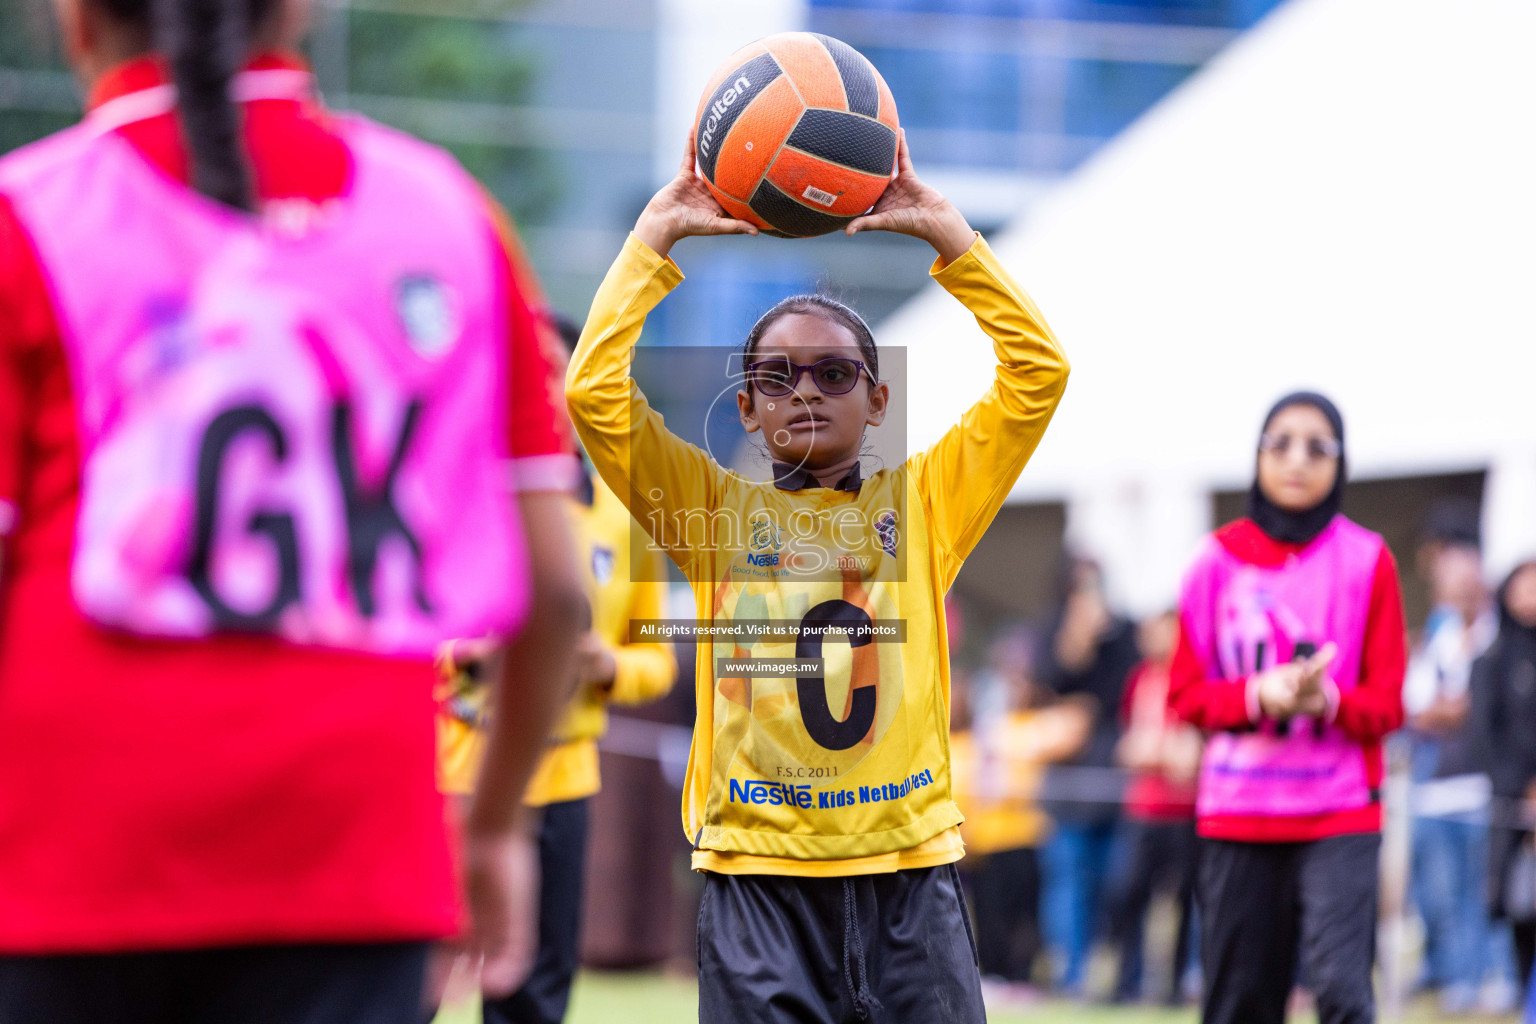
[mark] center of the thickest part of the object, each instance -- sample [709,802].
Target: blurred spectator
[1450,801]
[1090,653]
[1449,523]
[996,765]
[1504,724]
[1156,849]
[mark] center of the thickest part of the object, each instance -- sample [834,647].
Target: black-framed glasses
[778,376]
[1315,448]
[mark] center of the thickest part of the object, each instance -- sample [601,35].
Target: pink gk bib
[290,426]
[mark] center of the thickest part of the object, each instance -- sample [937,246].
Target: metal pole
[1396,853]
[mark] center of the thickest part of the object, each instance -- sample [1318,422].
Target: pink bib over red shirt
[1248,604]
[252,470]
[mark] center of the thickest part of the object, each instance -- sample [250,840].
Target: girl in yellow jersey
[818,794]
[611,668]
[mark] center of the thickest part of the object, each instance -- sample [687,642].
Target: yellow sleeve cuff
[643,255]
[979,253]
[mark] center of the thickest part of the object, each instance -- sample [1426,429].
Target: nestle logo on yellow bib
[774,794]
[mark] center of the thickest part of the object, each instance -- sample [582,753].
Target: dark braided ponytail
[206,42]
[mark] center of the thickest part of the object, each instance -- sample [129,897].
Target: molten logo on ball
[717,111]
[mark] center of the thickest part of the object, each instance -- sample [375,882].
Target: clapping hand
[1296,688]
[1312,695]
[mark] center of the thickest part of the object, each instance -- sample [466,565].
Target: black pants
[1154,856]
[1005,890]
[1524,933]
[362,984]
[1262,903]
[893,949]
[562,860]
[1503,847]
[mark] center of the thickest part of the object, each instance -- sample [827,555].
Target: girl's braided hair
[206,42]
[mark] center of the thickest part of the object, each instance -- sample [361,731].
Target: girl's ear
[879,402]
[748,413]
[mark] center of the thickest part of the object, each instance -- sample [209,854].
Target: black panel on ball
[727,102]
[792,218]
[857,74]
[845,139]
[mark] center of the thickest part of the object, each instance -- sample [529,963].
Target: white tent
[1345,199]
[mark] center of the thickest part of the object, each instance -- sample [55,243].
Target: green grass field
[644,998]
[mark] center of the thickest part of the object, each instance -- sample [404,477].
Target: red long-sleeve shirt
[1366,713]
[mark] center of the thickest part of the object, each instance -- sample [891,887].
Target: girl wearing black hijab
[1291,655]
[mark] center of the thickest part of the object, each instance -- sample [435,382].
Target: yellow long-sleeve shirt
[846,772]
[644,671]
